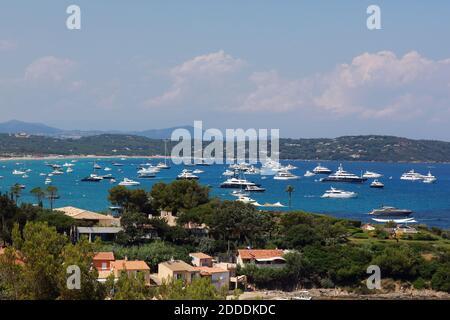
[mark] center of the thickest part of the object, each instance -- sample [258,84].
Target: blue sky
[310,68]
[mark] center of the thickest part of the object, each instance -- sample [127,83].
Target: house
[95,218]
[176,269]
[200,259]
[132,267]
[261,257]
[219,277]
[405,229]
[104,233]
[102,260]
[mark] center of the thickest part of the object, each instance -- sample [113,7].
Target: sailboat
[164,165]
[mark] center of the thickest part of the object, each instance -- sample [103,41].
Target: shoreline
[93,156]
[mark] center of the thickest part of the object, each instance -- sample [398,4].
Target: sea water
[430,202]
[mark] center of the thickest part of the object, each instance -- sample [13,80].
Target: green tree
[39,194]
[198,289]
[16,191]
[128,287]
[52,194]
[290,189]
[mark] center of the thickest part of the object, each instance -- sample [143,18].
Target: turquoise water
[430,202]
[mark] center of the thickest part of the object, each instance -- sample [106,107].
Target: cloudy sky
[309,68]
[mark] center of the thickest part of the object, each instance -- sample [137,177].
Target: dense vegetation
[324,252]
[364,148]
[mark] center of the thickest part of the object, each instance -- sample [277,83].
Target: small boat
[236,183]
[371,174]
[309,174]
[146,175]
[25,176]
[254,189]
[92,178]
[339,194]
[107,177]
[48,181]
[228,173]
[239,193]
[429,178]
[390,211]
[411,176]
[321,170]
[290,167]
[42,174]
[128,182]
[197,171]
[57,172]
[107,169]
[68,164]
[96,166]
[246,199]
[117,164]
[186,175]
[69,170]
[18,172]
[112,180]
[285,175]
[162,165]
[376,184]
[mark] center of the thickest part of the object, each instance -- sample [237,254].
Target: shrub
[361,235]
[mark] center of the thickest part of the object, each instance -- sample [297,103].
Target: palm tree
[39,194]
[52,193]
[15,192]
[289,190]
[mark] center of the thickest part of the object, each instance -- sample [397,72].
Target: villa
[261,257]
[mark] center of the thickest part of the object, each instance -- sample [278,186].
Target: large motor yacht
[186,175]
[254,189]
[339,194]
[429,178]
[237,183]
[343,176]
[285,175]
[376,184]
[411,176]
[92,178]
[128,182]
[321,170]
[371,174]
[390,211]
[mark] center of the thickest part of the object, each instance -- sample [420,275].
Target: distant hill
[363,148]
[16,126]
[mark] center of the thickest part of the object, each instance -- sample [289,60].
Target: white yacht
[372,175]
[18,172]
[57,172]
[321,170]
[246,199]
[252,170]
[309,174]
[390,211]
[339,194]
[285,175]
[429,178]
[290,167]
[107,169]
[197,171]
[25,176]
[128,182]
[69,170]
[186,175]
[148,171]
[92,178]
[254,189]
[68,164]
[411,176]
[48,181]
[239,193]
[376,184]
[228,173]
[236,183]
[162,165]
[96,166]
[343,176]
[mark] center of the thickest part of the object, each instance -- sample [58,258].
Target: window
[104,265]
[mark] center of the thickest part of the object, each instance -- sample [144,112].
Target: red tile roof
[200,255]
[210,270]
[260,253]
[129,265]
[108,256]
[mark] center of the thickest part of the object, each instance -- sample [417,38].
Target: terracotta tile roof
[200,255]
[129,265]
[178,265]
[260,253]
[82,214]
[109,256]
[210,270]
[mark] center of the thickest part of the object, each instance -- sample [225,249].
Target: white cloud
[201,71]
[378,85]
[49,68]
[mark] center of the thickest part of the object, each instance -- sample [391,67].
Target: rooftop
[178,265]
[200,255]
[129,265]
[82,214]
[260,253]
[104,256]
[210,270]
